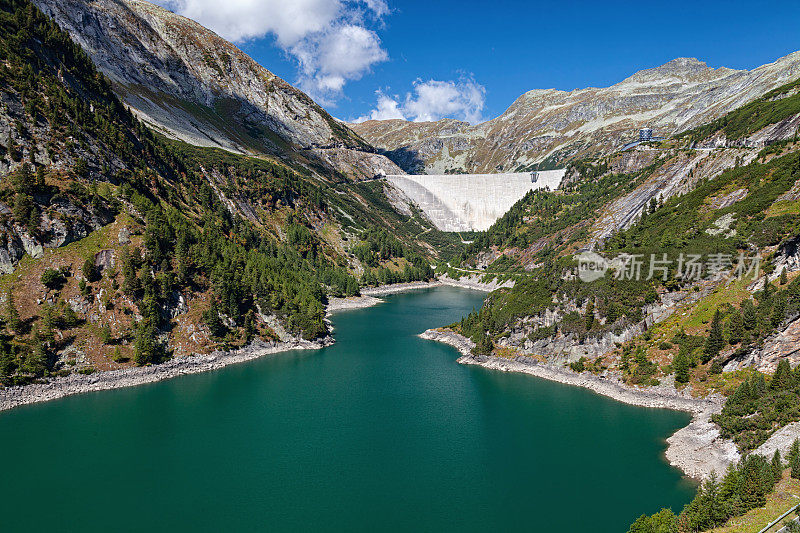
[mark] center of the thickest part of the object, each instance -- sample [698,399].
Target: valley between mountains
[170,206]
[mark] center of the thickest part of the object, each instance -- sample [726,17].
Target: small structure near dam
[466,202]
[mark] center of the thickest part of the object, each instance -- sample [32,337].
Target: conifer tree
[714,504]
[130,259]
[612,313]
[783,378]
[777,465]
[741,394]
[590,314]
[23,179]
[731,482]
[212,320]
[681,366]
[752,490]
[794,453]
[13,322]
[484,345]
[735,328]
[795,465]
[89,270]
[715,341]
[39,179]
[249,325]
[758,386]
[750,315]
[147,349]
[778,310]
[664,521]
[105,334]
[784,276]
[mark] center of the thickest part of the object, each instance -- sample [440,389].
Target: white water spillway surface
[471,202]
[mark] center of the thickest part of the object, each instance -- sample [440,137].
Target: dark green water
[382,431]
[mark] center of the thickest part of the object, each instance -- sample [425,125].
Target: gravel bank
[11,397]
[371,296]
[696,449]
[354,302]
[398,287]
[474,282]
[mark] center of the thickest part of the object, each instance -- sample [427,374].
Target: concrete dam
[465,202]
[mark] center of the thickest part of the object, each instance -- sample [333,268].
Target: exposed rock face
[566,347]
[632,161]
[557,125]
[678,174]
[191,84]
[781,130]
[783,345]
[780,440]
[61,224]
[104,260]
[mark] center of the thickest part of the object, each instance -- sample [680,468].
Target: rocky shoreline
[473,282]
[72,384]
[371,296]
[354,302]
[696,449]
[60,387]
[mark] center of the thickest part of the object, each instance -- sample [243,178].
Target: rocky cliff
[188,83]
[553,126]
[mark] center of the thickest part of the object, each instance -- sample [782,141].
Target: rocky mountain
[728,187]
[551,126]
[119,246]
[188,83]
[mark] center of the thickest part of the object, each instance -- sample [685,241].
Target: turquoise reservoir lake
[381,431]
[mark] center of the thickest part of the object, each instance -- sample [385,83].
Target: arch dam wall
[464,202]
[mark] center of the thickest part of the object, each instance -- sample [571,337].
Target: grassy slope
[785,496]
[771,108]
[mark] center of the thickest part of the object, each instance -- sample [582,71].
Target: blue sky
[470,60]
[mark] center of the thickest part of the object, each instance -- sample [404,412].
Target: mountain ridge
[553,127]
[187,82]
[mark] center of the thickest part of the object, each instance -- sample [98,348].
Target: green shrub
[53,279]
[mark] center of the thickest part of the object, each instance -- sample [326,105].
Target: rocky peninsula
[60,387]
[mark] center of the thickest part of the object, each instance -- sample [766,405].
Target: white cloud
[432,100]
[336,56]
[387,108]
[329,39]
[379,7]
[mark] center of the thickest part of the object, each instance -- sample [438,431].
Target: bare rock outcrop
[780,440]
[188,83]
